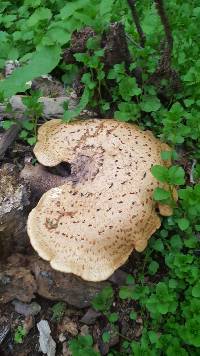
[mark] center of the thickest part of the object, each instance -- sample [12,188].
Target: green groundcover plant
[165,290]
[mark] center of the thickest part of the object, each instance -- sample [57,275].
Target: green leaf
[153,267]
[153,337]
[58,311]
[128,88]
[28,125]
[32,140]
[82,346]
[150,104]
[113,317]
[133,315]
[104,299]
[105,7]
[33,3]
[69,9]
[130,279]
[40,14]
[56,35]
[7,124]
[127,112]
[161,194]
[166,155]
[176,175]
[163,308]
[106,337]
[126,292]
[42,62]
[160,173]
[158,245]
[176,242]
[183,224]
[196,290]
[23,134]
[173,283]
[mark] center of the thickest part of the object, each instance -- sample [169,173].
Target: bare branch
[137,22]
[165,23]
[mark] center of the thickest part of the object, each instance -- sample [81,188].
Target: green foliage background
[165,290]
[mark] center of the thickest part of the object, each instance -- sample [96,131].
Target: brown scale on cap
[90,225]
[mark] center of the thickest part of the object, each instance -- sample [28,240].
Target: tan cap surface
[90,225]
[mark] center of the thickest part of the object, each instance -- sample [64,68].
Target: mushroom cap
[90,225]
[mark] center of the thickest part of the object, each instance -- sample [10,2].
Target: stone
[47,344]
[85,330]
[26,309]
[90,317]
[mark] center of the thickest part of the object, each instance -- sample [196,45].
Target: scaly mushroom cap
[90,225]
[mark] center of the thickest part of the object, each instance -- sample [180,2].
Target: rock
[90,317]
[47,344]
[52,107]
[85,330]
[10,66]
[14,198]
[69,326]
[17,283]
[61,337]
[26,309]
[65,287]
[119,277]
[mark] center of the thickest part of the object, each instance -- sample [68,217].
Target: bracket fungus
[90,224]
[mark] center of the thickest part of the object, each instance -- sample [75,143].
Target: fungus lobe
[89,225]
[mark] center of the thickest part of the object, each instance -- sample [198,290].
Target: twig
[192,171]
[165,23]
[137,22]
[164,69]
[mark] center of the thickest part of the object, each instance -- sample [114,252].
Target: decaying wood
[14,200]
[24,276]
[17,283]
[78,44]
[7,138]
[115,46]
[40,180]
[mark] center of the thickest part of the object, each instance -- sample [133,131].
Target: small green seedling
[19,335]
[82,346]
[103,300]
[58,311]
